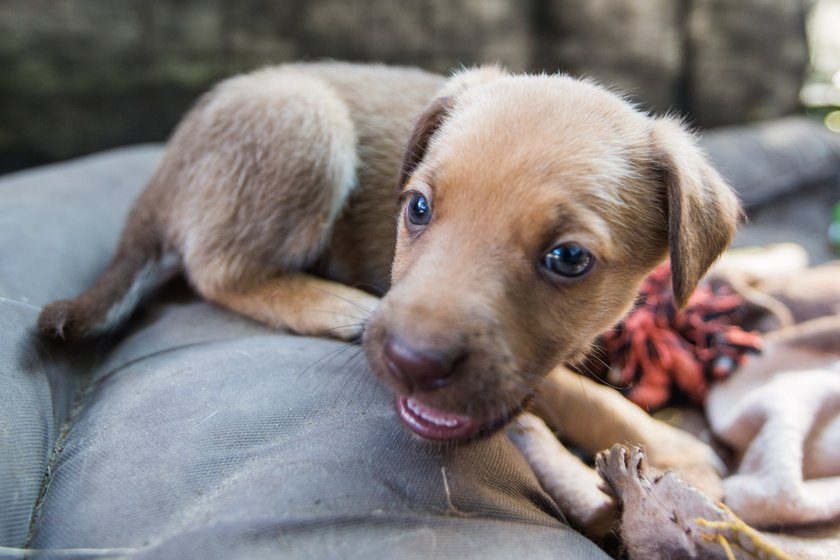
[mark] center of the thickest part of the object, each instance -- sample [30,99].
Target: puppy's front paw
[676,449]
[573,485]
[692,460]
[302,303]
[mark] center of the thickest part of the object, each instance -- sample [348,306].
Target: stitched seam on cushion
[78,405]
[68,552]
[36,347]
[80,400]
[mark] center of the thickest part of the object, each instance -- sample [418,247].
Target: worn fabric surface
[200,434]
[57,226]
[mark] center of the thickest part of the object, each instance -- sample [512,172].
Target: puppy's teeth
[415,408]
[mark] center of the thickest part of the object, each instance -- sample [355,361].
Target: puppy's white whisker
[339,328]
[328,356]
[342,298]
[338,314]
[373,288]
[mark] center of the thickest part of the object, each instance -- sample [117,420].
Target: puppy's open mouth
[435,424]
[440,425]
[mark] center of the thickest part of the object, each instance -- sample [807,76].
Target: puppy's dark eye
[569,259]
[419,211]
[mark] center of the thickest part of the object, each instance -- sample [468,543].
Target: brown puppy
[530,207]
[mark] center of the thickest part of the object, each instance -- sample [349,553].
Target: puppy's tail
[133,272]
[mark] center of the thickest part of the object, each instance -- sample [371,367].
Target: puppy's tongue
[434,424]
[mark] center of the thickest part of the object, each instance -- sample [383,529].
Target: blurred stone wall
[77,76]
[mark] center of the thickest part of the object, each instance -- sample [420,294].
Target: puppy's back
[252,184]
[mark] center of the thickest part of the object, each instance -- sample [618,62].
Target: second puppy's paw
[623,469]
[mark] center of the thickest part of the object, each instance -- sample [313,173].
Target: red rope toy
[657,351]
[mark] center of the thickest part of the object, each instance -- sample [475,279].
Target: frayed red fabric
[657,350]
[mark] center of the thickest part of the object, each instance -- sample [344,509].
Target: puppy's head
[532,207]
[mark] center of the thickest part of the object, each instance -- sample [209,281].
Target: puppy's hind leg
[264,205]
[593,417]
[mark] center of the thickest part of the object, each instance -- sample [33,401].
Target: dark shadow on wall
[78,76]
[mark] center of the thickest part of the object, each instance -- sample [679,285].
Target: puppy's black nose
[418,370]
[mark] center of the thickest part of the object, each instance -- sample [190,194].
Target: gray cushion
[775,158]
[787,173]
[201,434]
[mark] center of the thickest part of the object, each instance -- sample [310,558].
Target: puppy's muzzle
[426,372]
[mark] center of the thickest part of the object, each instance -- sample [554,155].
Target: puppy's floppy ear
[437,111]
[703,211]
[425,127]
